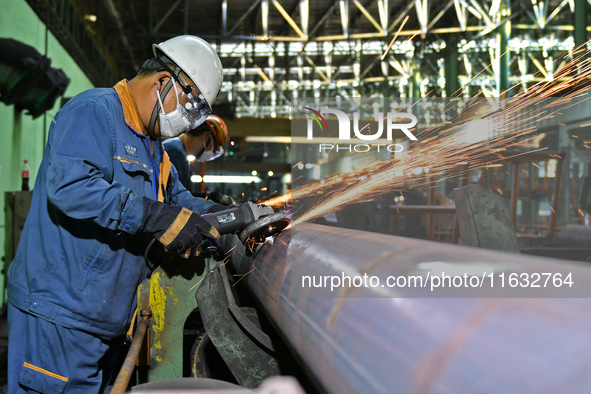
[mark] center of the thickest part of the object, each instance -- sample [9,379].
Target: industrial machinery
[367,338]
[352,311]
[218,339]
[397,339]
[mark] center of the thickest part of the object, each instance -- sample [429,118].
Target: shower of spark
[277,202]
[443,149]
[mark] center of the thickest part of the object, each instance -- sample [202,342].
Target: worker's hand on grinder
[178,229]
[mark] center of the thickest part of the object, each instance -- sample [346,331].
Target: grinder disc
[265,227]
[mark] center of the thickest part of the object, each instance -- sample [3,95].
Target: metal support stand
[246,350]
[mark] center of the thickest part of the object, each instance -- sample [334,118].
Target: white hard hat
[197,58]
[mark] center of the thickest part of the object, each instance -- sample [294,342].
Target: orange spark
[394,38]
[278,201]
[242,276]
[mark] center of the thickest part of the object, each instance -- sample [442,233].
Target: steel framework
[275,50]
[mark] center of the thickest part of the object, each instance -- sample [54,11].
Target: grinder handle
[233,219]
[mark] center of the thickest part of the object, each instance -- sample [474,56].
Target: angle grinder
[253,223]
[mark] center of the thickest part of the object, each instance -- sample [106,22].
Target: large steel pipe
[382,339]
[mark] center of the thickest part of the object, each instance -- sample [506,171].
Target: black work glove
[178,229]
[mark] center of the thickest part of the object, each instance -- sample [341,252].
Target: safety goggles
[196,106]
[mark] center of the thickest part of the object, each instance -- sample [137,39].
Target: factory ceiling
[274,50]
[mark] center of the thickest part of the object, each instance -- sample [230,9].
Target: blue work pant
[48,358]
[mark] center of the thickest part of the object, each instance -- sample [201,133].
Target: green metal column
[504,57]
[580,22]
[565,144]
[451,67]
[415,85]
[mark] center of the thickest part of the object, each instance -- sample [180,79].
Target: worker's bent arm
[80,174]
[184,198]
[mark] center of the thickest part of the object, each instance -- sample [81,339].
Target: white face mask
[175,122]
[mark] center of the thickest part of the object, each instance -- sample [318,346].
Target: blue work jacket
[80,256]
[175,147]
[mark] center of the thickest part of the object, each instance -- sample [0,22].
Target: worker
[104,190]
[205,143]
